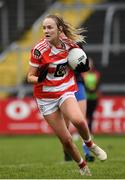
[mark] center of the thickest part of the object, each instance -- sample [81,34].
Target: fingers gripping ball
[77,59]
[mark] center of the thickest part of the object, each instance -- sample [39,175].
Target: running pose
[55,85]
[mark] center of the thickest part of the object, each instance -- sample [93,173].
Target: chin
[50,40]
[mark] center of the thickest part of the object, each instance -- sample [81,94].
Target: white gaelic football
[75,57]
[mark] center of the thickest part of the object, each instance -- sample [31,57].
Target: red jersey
[60,78]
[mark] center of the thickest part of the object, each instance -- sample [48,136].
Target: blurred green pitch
[41,157]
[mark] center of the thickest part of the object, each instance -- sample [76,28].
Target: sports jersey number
[60,70]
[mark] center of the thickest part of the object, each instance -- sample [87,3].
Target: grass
[41,157]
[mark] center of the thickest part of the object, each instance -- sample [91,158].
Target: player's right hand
[42,73]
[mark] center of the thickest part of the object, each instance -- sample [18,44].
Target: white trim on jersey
[42,46]
[54,64]
[55,51]
[61,87]
[33,64]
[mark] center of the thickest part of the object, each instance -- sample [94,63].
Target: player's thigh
[57,123]
[83,106]
[67,121]
[70,109]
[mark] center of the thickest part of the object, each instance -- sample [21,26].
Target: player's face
[51,31]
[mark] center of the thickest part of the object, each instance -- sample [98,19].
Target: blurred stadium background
[21,28]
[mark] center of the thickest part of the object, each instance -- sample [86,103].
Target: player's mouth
[47,36]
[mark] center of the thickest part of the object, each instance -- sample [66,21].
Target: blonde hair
[70,32]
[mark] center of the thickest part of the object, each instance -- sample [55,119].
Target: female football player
[55,86]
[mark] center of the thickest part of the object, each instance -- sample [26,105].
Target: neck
[59,44]
[55,42]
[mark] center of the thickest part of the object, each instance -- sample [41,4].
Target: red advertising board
[21,116]
[110,116]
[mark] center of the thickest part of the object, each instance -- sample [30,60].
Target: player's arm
[37,72]
[82,67]
[32,75]
[37,75]
[42,73]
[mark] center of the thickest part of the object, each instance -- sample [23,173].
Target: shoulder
[69,42]
[40,48]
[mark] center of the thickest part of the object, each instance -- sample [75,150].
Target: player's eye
[44,27]
[50,27]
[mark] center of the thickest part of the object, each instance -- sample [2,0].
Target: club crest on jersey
[37,54]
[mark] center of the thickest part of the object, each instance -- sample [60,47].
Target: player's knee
[67,142]
[80,123]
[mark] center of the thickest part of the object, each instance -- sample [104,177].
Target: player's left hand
[83,67]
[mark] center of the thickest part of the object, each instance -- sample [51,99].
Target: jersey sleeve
[35,58]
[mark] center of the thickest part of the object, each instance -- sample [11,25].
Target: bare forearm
[32,79]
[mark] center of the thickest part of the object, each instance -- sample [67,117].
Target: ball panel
[75,56]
